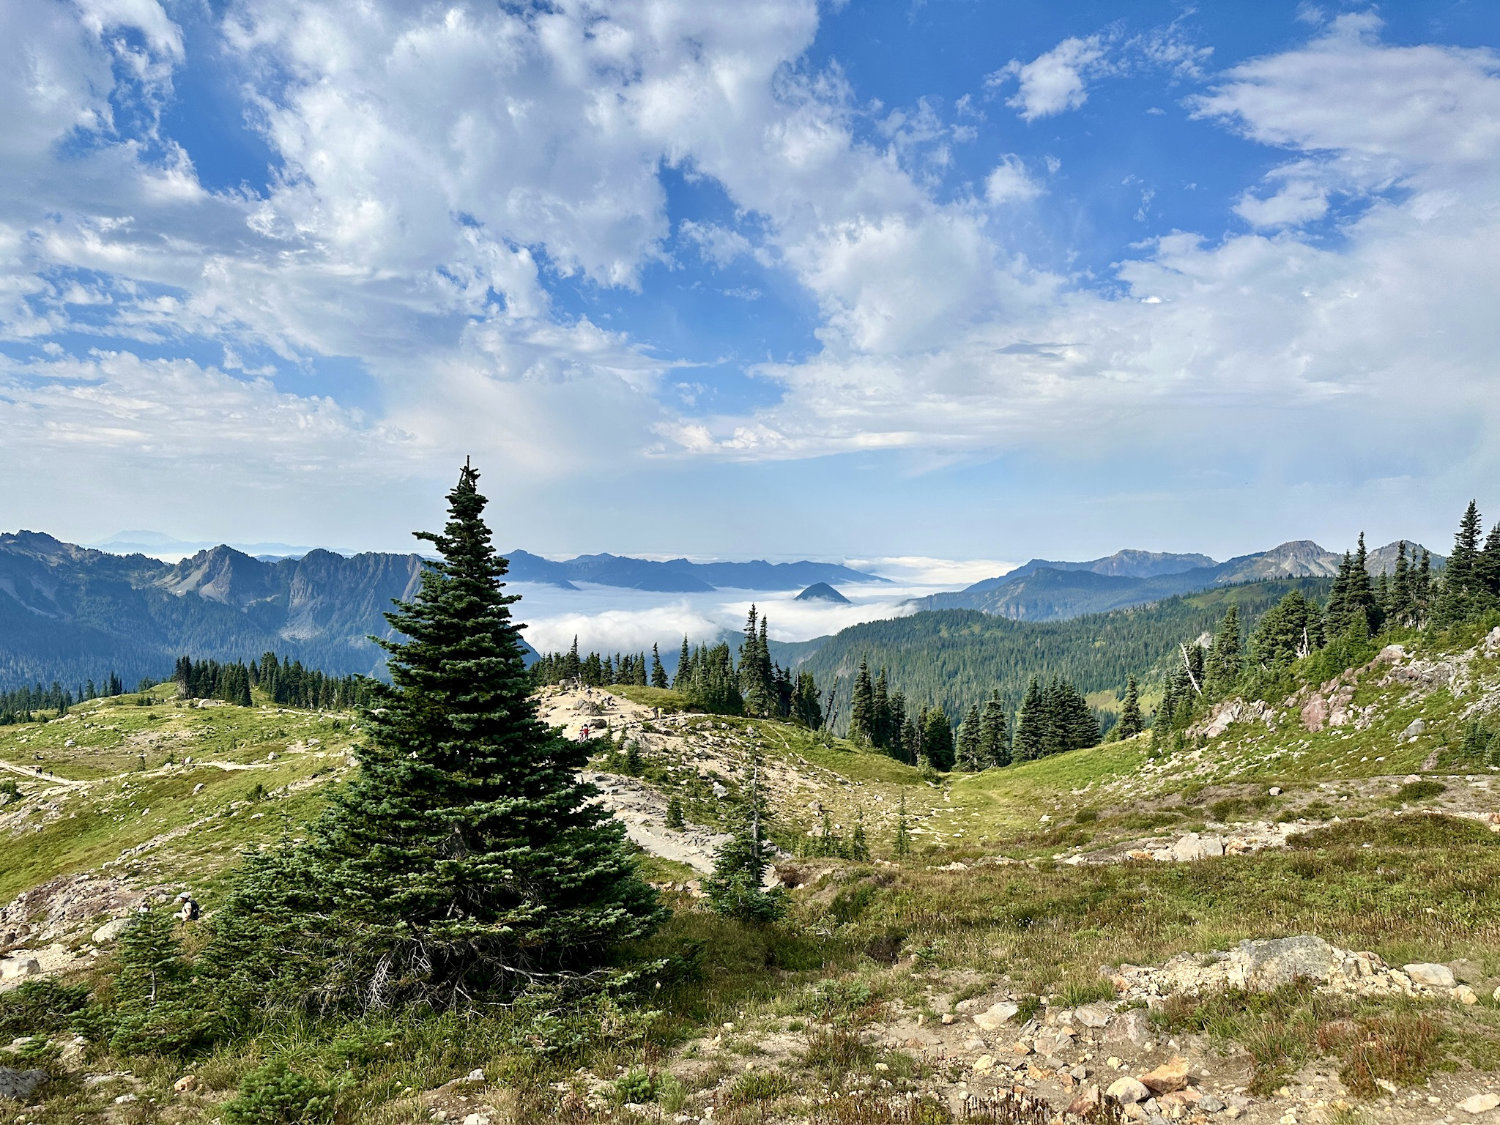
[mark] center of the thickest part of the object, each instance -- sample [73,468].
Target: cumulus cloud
[1010,182]
[1054,81]
[440,172]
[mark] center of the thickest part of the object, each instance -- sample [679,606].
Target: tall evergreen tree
[880,713]
[970,742]
[1131,720]
[1487,566]
[1463,587]
[658,673]
[1031,725]
[1224,663]
[464,857]
[862,707]
[937,740]
[1403,605]
[994,734]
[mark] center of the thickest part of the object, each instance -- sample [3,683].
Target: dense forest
[955,659]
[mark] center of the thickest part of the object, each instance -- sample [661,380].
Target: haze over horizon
[773,280]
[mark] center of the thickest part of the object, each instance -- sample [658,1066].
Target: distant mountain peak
[822,592]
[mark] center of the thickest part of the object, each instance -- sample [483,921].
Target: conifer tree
[1131,721]
[1031,725]
[1402,607]
[658,673]
[970,742]
[1462,592]
[937,740]
[1487,566]
[1223,663]
[1421,589]
[862,707]
[683,673]
[735,888]
[880,713]
[994,736]
[901,846]
[463,858]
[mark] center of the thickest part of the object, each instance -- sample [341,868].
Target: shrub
[637,1086]
[40,1007]
[275,1095]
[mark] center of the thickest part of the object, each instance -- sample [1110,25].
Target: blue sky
[943,278]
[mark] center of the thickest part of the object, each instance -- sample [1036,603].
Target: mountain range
[1044,590]
[72,613]
[678,576]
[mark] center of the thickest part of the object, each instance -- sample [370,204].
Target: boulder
[1094,1015]
[1278,961]
[1315,714]
[1414,728]
[996,1016]
[1479,1103]
[1131,1027]
[984,1064]
[1430,975]
[19,1085]
[19,968]
[1464,995]
[1127,1091]
[186,1084]
[110,931]
[1168,1077]
[1193,847]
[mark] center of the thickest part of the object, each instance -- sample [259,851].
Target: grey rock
[1280,961]
[1433,976]
[1127,1091]
[1414,728]
[997,1015]
[1094,1015]
[1129,1027]
[1193,847]
[19,1085]
[1210,1104]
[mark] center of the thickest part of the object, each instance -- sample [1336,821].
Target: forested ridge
[956,658]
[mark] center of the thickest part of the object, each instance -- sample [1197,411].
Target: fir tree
[901,846]
[464,858]
[1031,725]
[1223,664]
[880,713]
[937,740]
[1131,721]
[994,734]
[970,742]
[658,673]
[735,888]
[862,707]
[1463,587]
[684,672]
[1403,607]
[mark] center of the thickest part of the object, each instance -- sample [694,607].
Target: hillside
[1283,838]
[1046,591]
[956,657]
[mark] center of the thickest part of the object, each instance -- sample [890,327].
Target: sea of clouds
[610,619]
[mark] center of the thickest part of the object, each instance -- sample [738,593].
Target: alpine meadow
[960,581]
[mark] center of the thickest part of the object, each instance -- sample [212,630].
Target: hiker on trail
[187,908]
[583,735]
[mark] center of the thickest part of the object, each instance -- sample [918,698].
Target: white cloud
[1054,81]
[1010,182]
